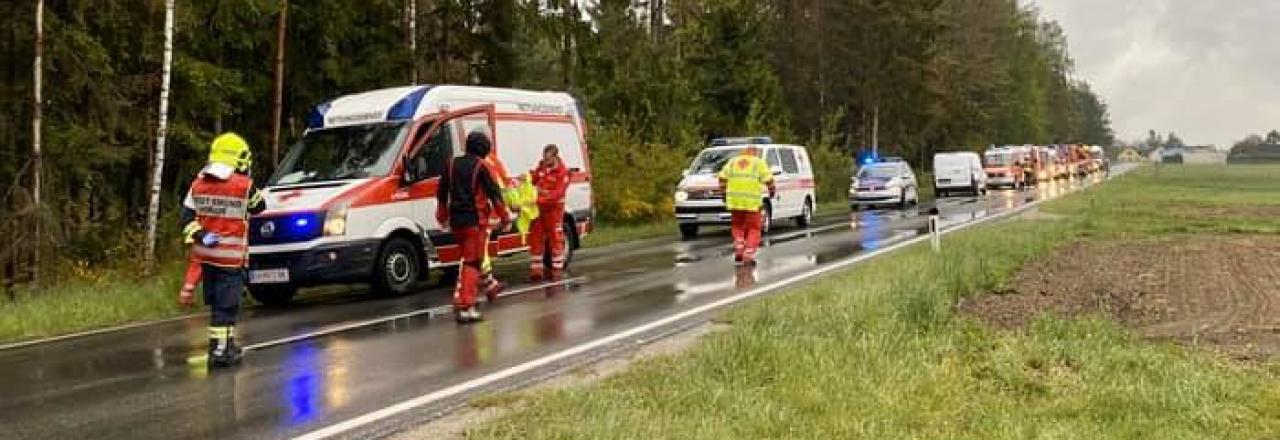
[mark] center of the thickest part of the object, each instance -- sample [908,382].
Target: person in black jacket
[467,199]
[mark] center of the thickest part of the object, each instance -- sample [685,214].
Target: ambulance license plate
[269,276]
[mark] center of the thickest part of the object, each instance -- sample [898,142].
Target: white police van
[355,199]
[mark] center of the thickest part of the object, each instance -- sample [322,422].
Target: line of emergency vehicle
[354,200]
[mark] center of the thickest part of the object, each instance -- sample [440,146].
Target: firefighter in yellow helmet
[216,217]
[744,179]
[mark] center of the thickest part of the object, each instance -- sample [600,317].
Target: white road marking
[378,415]
[97,332]
[433,311]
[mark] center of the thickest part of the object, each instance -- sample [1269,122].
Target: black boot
[223,351]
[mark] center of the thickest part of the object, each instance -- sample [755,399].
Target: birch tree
[157,170]
[37,105]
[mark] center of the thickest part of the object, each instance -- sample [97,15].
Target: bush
[635,179]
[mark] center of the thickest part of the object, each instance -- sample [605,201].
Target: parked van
[354,200]
[959,171]
[700,201]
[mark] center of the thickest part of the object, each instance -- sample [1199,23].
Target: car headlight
[335,221]
[681,196]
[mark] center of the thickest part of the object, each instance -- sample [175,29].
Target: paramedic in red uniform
[216,213]
[467,198]
[547,232]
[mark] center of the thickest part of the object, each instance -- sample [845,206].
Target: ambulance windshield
[711,161]
[341,153]
[998,159]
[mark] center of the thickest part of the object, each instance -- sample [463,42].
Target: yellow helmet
[231,149]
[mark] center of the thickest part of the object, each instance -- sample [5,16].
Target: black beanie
[478,144]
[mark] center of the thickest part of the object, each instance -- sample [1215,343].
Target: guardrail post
[935,239]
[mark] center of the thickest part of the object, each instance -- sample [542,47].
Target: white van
[959,171]
[700,201]
[354,200]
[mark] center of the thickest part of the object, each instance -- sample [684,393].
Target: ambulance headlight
[681,196]
[335,221]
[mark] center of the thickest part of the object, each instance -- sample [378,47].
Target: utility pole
[37,113]
[277,103]
[157,170]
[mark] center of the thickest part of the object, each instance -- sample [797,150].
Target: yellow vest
[745,177]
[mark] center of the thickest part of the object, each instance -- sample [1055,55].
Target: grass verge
[608,234]
[876,352]
[77,304]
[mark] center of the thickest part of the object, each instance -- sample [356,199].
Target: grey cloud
[1208,70]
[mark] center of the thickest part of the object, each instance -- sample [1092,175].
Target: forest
[657,78]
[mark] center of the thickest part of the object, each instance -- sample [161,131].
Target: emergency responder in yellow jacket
[744,179]
[216,214]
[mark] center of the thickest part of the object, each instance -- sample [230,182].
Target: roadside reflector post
[934,238]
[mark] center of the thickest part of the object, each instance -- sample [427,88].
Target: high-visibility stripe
[232,241]
[221,332]
[219,253]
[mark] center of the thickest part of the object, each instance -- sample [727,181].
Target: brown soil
[1223,291]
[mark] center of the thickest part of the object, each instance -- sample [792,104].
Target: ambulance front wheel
[273,295]
[396,269]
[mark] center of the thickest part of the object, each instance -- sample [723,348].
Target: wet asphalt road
[372,352]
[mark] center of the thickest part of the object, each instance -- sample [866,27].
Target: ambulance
[354,200]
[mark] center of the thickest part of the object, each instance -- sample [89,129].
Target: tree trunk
[412,16]
[162,129]
[875,131]
[277,103]
[36,154]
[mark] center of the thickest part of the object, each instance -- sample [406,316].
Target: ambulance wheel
[806,215]
[689,231]
[397,266]
[273,295]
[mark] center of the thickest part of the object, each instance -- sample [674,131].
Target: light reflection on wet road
[138,383]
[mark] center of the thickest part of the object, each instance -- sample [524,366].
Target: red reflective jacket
[222,207]
[552,182]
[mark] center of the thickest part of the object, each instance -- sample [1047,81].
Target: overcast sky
[1208,70]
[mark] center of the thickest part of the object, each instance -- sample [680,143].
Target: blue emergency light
[754,140]
[286,228]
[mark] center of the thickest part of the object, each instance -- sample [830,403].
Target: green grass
[82,303]
[607,234]
[875,351]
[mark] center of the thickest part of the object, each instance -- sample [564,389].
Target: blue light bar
[754,140]
[315,119]
[407,106]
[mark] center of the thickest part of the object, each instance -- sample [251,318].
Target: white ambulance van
[700,201]
[354,200]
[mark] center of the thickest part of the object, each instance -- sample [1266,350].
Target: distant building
[1196,154]
[1265,153]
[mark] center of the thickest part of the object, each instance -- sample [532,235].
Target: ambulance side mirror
[410,172]
[776,170]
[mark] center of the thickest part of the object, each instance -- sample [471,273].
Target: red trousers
[546,234]
[471,244]
[746,234]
